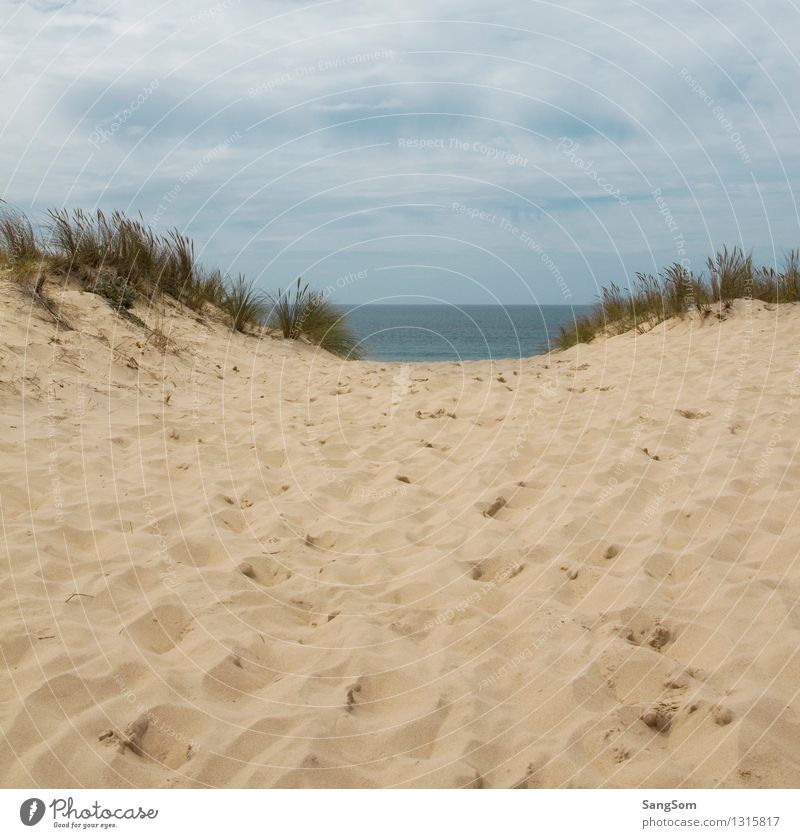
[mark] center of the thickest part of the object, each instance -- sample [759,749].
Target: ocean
[457,333]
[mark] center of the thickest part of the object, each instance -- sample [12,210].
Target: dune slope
[280,563]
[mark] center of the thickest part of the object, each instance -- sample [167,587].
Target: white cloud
[320,97]
[345,107]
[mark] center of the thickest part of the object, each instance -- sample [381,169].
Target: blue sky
[469,152]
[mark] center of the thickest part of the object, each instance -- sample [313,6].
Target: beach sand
[238,562]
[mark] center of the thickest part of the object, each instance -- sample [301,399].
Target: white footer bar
[400,814]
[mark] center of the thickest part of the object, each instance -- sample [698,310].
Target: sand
[238,562]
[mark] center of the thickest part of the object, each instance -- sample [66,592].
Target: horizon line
[464,305]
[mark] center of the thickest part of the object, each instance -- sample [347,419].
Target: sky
[467,152]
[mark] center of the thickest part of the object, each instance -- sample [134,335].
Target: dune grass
[18,241]
[308,313]
[123,260]
[676,291]
[243,303]
[125,255]
[21,249]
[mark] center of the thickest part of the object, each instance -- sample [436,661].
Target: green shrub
[115,290]
[146,261]
[207,288]
[309,314]
[18,242]
[790,279]
[677,291]
[244,304]
[582,330]
[731,275]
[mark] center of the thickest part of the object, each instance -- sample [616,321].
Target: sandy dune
[214,536]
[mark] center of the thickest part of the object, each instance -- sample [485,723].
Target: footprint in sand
[161,629]
[659,716]
[352,691]
[641,631]
[238,674]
